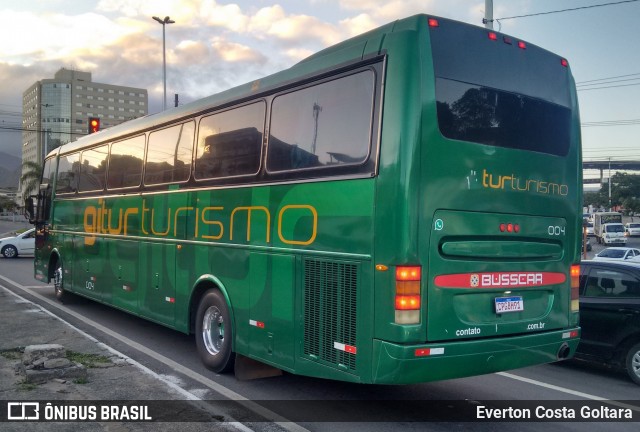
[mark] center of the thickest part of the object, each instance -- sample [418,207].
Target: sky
[218,44]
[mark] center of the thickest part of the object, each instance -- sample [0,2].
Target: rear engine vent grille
[330,306]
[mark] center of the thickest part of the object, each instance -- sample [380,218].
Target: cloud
[235,52]
[55,36]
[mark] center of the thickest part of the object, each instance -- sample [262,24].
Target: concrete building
[56,111]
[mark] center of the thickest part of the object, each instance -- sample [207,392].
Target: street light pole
[164,21]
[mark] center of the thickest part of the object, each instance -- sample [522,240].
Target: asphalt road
[173,355]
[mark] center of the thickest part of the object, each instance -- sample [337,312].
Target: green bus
[402,207]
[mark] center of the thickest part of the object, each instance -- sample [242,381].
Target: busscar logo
[475,280]
[23,411]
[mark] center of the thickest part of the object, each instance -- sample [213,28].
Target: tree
[7,204]
[30,179]
[596,199]
[625,192]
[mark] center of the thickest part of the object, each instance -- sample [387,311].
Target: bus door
[89,248]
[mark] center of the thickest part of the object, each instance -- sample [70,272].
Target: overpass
[616,165]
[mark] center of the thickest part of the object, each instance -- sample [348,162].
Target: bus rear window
[485,115]
[492,91]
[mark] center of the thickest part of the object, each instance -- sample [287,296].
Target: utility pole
[609,183]
[488,14]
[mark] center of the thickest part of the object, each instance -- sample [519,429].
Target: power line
[21,129]
[611,81]
[608,87]
[611,123]
[606,79]
[566,10]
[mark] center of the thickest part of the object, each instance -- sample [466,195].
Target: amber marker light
[575,287]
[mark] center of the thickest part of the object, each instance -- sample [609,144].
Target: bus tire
[10,252]
[632,362]
[214,332]
[58,282]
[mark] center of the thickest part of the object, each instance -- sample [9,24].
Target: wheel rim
[213,330]
[9,252]
[57,280]
[635,363]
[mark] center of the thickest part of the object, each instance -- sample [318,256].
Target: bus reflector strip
[255,323]
[170,299]
[424,352]
[569,335]
[346,348]
[499,279]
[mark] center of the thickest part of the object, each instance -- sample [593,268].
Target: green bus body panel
[398,364]
[308,267]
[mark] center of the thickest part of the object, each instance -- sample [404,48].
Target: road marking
[219,388]
[567,391]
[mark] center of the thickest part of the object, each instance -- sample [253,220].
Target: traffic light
[94,124]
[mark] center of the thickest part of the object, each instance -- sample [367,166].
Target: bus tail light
[575,287]
[408,298]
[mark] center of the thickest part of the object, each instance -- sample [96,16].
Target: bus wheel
[633,363]
[58,284]
[214,333]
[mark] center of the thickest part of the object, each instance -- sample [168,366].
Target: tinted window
[169,154]
[68,167]
[611,284]
[325,125]
[93,167]
[495,93]
[485,115]
[612,253]
[230,142]
[125,163]
[48,170]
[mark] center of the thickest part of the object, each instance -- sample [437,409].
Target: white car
[632,229]
[617,254]
[590,229]
[22,244]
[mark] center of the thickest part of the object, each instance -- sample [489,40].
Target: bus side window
[67,178]
[125,163]
[230,142]
[169,154]
[93,167]
[325,125]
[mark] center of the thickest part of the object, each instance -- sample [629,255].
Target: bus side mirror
[29,211]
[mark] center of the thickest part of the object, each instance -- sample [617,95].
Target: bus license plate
[509,304]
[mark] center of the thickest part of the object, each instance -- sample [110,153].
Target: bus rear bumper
[404,364]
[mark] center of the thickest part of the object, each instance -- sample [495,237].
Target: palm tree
[30,179]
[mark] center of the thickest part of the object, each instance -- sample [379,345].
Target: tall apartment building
[56,111]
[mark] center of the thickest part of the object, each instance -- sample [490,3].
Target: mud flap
[249,369]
